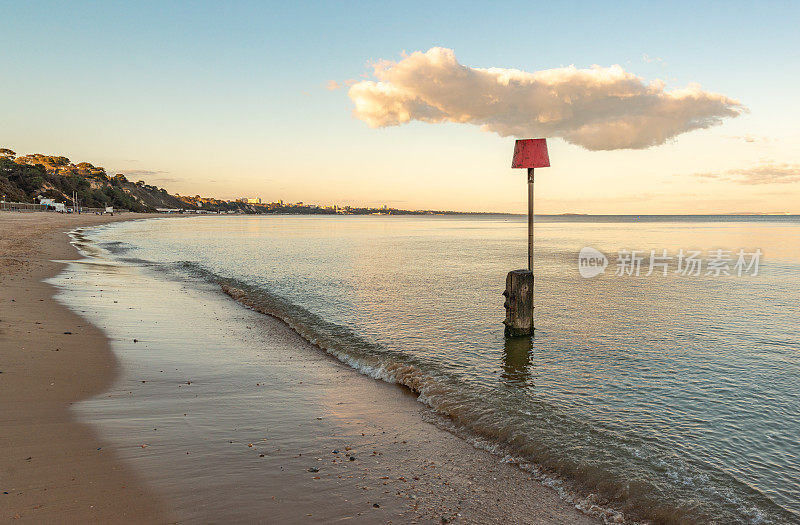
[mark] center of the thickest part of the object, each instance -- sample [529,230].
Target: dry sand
[56,468]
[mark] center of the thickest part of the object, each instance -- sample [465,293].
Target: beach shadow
[517,360]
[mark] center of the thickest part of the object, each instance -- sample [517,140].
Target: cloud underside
[601,108]
[768,173]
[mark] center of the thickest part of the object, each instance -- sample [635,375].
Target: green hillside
[23,179]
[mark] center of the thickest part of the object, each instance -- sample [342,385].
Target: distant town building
[50,203]
[253,200]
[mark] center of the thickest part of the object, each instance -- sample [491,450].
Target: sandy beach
[54,468]
[157,424]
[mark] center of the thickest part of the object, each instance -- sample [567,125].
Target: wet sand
[225,414]
[53,467]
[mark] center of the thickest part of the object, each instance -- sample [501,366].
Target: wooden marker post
[530,154]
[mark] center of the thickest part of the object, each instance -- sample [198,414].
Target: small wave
[116,247]
[446,402]
[589,486]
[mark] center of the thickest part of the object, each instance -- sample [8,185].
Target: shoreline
[452,494]
[55,466]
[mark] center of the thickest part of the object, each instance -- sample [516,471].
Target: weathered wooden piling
[519,303]
[529,154]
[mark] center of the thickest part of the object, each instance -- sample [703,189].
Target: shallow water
[673,398]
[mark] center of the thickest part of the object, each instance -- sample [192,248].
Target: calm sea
[670,397]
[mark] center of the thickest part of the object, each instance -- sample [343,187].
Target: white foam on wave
[429,391]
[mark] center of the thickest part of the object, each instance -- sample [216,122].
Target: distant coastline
[36,178]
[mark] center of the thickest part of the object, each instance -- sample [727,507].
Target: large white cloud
[600,108]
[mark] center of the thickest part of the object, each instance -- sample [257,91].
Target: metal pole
[530,219]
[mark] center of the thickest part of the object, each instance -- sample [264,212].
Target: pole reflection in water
[517,360]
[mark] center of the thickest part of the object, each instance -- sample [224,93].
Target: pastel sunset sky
[648,108]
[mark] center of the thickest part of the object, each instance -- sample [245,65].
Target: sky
[235,99]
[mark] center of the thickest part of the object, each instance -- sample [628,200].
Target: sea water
[670,395]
